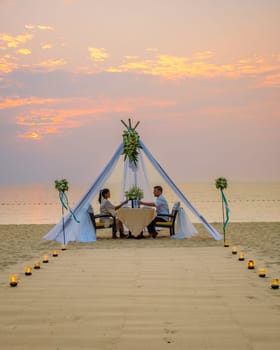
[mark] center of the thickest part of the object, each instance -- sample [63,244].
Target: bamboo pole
[223,209]
[124,124]
[129,126]
[63,226]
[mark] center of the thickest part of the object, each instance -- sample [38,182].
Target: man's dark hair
[159,188]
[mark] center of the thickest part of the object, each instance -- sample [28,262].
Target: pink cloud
[52,120]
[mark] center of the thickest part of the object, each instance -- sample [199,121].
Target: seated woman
[106,207]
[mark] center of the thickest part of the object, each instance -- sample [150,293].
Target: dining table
[136,219]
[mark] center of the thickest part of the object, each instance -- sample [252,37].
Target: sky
[201,76]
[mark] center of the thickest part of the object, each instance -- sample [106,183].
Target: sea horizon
[248,201]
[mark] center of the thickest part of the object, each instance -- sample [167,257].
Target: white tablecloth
[136,219]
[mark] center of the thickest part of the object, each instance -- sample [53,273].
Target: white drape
[83,231]
[183,227]
[180,195]
[136,175]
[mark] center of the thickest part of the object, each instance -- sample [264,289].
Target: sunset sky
[201,76]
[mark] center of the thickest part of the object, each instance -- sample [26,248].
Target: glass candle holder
[234,250]
[55,253]
[251,264]
[275,283]
[226,244]
[37,265]
[13,281]
[28,271]
[45,259]
[241,257]
[262,272]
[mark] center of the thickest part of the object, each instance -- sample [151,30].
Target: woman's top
[106,207]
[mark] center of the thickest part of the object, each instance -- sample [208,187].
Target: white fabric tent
[85,232]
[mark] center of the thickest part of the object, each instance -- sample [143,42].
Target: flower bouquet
[61,185]
[134,194]
[131,145]
[221,183]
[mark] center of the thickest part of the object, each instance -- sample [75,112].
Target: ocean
[248,202]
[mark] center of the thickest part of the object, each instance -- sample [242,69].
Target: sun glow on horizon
[31,136]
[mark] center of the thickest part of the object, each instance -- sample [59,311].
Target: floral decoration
[221,183]
[61,185]
[131,145]
[134,192]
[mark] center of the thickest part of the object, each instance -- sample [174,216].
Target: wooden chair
[171,219]
[98,225]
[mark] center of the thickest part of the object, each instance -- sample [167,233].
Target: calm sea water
[249,202]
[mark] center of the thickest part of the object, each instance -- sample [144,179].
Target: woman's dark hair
[102,194]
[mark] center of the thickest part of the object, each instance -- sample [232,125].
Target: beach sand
[141,294]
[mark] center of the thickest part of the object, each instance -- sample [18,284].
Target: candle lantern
[37,265]
[262,272]
[241,257]
[45,259]
[134,203]
[226,244]
[28,271]
[275,283]
[251,264]
[234,250]
[63,247]
[13,281]
[55,253]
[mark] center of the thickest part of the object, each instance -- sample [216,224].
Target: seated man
[162,208]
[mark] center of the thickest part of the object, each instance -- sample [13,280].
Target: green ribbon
[227,211]
[65,203]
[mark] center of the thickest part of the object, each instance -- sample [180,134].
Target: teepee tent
[135,173]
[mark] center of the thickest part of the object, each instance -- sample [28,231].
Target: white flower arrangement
[61,185]
[131,145]
[134,192]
